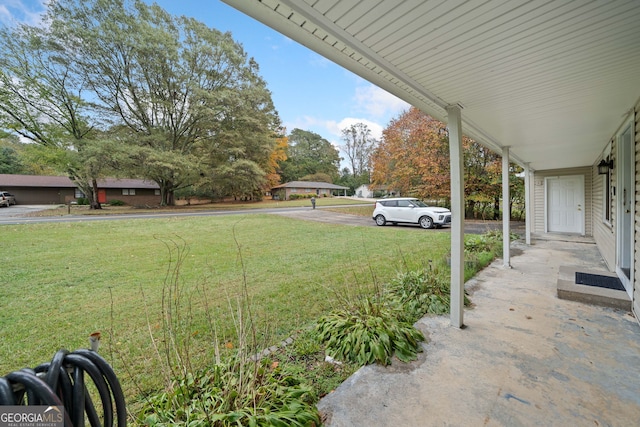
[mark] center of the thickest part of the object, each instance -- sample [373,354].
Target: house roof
[311,184]
[553,80]
[7,180]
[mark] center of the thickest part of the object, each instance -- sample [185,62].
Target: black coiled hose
[61,382]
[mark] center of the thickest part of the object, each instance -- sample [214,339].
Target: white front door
[565,204]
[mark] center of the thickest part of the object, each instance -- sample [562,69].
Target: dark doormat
[599,281]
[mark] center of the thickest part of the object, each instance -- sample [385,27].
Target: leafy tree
[10,158]
[41,99]
[277,156]
[33,159]
[358,146]
[482,176]
[308,154]
[413,156]
[9,161]
[241,152]
[317,177]
[192,102]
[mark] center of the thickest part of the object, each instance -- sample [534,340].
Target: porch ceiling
[551,79]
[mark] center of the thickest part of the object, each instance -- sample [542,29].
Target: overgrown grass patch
[65,281]
[366,211]
[305,358]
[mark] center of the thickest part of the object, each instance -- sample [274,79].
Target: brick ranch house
[319,189]
[39,190]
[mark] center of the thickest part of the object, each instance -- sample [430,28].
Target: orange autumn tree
[277,156]
[413,157]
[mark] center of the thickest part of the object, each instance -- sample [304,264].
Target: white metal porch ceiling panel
[551,79]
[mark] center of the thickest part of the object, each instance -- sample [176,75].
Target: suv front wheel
[380,220]
[426,222]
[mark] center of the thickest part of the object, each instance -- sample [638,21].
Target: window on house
[128,192]
[78,194]
[157,192]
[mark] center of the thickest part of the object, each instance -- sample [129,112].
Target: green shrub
[490,241]
[83,201]
[234,393]
[304,195]
[116,203]
[298,196]
[416,293]
[368,332]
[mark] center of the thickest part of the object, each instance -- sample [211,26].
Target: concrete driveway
[15,211]
[333,217]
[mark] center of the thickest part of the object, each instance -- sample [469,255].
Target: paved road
[15,215]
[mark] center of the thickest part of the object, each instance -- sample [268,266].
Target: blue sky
[309,91]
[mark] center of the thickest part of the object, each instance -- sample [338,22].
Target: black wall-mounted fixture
[605,166]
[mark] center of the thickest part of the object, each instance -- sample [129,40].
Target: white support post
[506,213]
[454,120]
[527,204]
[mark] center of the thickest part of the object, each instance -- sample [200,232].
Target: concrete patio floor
[524,358]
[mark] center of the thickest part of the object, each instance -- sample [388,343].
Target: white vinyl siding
[603,231]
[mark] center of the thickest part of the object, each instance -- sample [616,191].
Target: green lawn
[62,282]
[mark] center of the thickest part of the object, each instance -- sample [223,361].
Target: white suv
[410,210]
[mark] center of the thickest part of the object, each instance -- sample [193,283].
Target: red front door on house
[102,195]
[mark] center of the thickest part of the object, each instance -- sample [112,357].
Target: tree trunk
[496,208]
[95,204]
[166,193]
[471,205]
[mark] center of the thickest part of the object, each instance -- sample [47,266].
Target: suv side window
[389,203]
[404,204]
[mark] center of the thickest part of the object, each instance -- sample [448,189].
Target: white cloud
[331,129]
[336,128]
[377,103]
[305,123]
[23,11]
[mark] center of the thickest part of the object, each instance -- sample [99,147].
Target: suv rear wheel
[426,222]
[380,220]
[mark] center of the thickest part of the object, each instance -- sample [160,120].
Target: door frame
[625,165]
[546,201]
